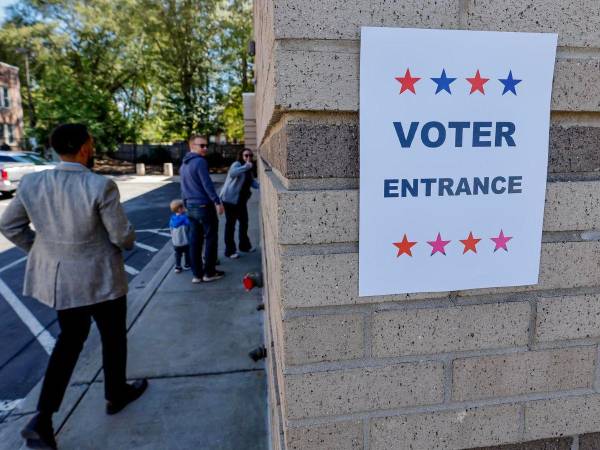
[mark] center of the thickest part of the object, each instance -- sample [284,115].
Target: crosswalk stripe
[146,247]
[131,270]
[13,264]
[41,334]
[9,405]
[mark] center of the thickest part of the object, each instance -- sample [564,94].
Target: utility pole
[31,107]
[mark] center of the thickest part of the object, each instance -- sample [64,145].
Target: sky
[3,4]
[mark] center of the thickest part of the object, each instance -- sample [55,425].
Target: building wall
[469,369]
[249,120]
[9,78]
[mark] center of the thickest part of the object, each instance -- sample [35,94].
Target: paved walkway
[192,342]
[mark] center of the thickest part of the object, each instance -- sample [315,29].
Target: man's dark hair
[67,139]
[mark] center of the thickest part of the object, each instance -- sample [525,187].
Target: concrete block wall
[505,368]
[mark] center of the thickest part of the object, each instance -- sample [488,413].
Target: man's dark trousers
[110,318]
[204,224]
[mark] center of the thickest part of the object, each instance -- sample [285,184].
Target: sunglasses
[202,145]
[247,155]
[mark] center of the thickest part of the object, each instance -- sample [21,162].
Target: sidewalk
[192,342]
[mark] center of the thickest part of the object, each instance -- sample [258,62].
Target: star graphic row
[443,83]
[439,244]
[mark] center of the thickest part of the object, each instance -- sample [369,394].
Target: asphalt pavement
[28,328]
[192,342]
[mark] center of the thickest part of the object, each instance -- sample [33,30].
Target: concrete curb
[89,365]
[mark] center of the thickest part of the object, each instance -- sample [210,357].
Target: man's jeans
[204,224]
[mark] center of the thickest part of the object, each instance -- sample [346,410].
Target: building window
[4,97]
[10,134]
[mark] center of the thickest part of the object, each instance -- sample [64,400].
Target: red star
[408,82]
[404,246]
[470,243]
[477,83]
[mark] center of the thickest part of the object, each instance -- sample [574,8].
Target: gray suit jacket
[75,253]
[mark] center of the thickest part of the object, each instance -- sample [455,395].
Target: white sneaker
[234,256]
[196,280]
[251,250]
[217,275]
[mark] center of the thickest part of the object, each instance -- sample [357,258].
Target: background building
[11,110]
[468,369]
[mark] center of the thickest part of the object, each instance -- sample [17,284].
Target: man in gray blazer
[75,265]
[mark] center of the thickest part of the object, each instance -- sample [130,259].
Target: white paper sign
[453,158]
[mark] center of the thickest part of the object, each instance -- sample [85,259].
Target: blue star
[509,83]
[443,82]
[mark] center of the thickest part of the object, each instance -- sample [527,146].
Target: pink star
[501,241]
[438,245]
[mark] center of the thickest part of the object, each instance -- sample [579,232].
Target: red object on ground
[248,283]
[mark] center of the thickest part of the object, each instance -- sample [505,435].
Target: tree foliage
[133,70]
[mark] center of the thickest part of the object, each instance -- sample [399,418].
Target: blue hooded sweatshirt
[179,225]
[197,187]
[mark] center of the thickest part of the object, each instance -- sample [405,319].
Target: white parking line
[9,405]
[146,247]
[13,264]
[41,334]
[131,270]
[159,231]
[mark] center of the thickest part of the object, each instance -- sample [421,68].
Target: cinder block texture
[334,436]
[574,149]
[331,216]
[326,280]
[440,330]
[562,417]
[366,389]
[339,19]
[523,373]
[330,79]
[329,74]
[563,265]
[323,338]
[568,317]
[572,206]
[263,64]
[447,430]
[576,22]
[545,444]
[332,279]
[316,145]
[589,441]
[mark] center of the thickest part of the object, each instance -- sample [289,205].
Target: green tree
[133,69]
[183,33]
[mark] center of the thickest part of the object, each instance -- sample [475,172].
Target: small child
[179,225]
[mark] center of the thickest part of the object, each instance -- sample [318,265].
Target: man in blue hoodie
[203,205]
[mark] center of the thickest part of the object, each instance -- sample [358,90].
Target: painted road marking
[146,247]
[9,405]
[13,264]
[131,270]
[41,334]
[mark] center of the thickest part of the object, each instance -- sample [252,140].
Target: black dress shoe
[133,391]
[38,433]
